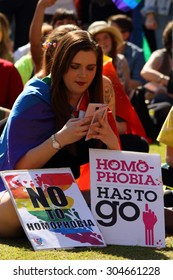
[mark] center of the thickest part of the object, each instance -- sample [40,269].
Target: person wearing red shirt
[11,84]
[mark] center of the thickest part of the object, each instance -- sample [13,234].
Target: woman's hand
[102,131]
[150,21]
[47,3]
[73,131]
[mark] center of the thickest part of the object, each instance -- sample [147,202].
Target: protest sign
[51,208]
[127,197]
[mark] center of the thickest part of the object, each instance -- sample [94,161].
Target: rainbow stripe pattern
[126,5]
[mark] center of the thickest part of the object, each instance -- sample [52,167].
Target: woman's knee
[9,222]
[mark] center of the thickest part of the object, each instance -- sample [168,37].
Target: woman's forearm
[38,156]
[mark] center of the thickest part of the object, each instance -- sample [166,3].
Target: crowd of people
[61,62]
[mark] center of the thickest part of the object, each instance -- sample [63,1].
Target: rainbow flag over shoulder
[126,5]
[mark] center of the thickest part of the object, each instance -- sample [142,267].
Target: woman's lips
[80,83]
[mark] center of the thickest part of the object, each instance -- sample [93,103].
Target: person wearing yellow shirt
[166,137]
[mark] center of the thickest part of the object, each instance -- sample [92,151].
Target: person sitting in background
[132,136]
[6,45]
[48,119]
[166,137]
[157,71]
[110,39]
[136,61]
[132,52]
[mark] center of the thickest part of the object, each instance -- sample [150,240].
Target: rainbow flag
[126,5]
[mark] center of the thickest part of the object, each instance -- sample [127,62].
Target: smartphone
[92,107]
[100,111]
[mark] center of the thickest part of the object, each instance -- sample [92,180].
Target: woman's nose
[82,72]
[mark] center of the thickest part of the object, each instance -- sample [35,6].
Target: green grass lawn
[20,249]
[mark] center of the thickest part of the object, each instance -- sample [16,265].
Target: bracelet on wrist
[55,144]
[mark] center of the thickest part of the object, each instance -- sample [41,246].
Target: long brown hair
[5,42]
[67,48]
[113,51]
[167,37]
[51,43]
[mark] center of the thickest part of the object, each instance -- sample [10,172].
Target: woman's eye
[91,68]
[74,66]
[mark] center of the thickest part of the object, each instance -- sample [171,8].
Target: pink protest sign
[127,197]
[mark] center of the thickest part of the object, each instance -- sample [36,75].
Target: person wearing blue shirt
[133,53]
